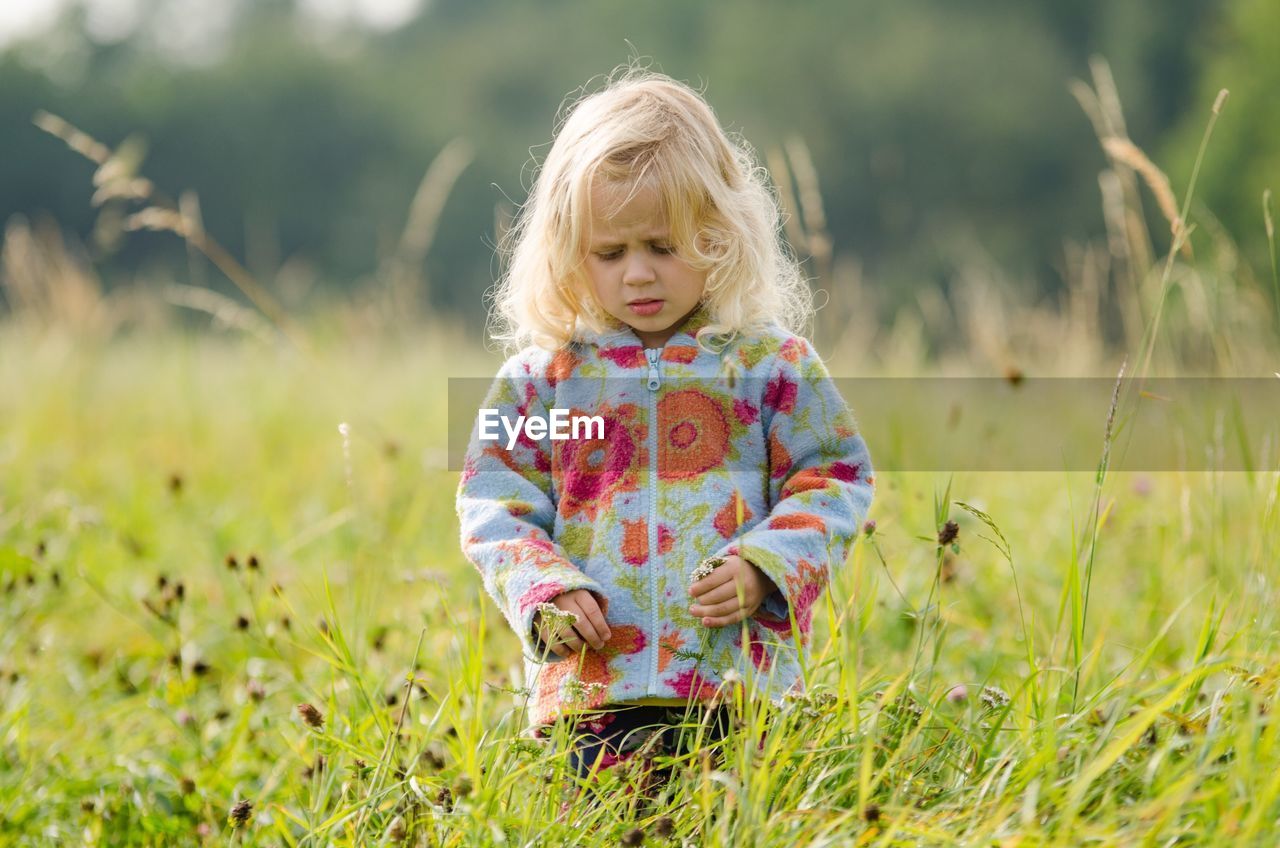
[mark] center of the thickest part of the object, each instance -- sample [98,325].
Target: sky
[112,20]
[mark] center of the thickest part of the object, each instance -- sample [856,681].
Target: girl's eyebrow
[612,242]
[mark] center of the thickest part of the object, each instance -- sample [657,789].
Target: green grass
[162,455]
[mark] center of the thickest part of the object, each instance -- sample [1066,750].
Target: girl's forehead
[625,209]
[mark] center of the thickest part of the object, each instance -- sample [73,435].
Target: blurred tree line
[941,134]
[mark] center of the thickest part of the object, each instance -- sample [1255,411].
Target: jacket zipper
[655,382]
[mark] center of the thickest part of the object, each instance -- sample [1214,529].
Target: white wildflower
[705,568]
[994,697]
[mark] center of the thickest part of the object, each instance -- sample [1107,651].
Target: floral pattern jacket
[750,451]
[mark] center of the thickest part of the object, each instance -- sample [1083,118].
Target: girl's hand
[590,629]
[731,593]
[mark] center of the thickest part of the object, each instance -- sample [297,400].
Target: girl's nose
[637,270]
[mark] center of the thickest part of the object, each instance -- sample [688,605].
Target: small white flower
[705,568]
[994,697]
[552,616]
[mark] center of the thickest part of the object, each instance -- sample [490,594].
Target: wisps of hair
[722,211]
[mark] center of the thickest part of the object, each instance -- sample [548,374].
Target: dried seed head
[255,689]
[396,831]
[871,814]
[187,786]
[1220,101]
[253,562]
[242,622]
[175,483]
[633,837]
[312,716]
[948,534]
[240,813]
[664,827]
[232,562]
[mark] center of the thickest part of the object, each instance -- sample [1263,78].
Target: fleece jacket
[739,445]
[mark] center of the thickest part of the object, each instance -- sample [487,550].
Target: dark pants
[602,739]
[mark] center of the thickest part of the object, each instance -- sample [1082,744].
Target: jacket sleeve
[820,486]
[506,512]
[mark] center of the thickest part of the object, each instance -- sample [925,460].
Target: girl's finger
[592,613]
[590,625]
[586,632]
[721,621]
[723,574]
[584,629]
[714,610]
[724,592]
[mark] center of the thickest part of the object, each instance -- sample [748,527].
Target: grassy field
[190,549]
[234,610]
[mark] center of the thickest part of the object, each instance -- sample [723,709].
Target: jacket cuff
[551,582]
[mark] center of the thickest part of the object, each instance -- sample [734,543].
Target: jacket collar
[624,337]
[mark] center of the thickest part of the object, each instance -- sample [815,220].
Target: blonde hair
[723,215]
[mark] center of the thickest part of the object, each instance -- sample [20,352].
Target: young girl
[647,567]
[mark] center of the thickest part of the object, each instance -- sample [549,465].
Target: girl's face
[634,271]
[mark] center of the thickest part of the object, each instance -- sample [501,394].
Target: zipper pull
[655,379]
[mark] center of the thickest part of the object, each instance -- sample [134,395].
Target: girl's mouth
[645,307]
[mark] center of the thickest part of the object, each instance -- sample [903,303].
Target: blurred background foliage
[941,135]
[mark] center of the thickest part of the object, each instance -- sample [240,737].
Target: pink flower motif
[845,471]
[593,469]
[691,685]
[746,413]
[665,539]
[540,593]
[631,356]
[781,394]
[759,657]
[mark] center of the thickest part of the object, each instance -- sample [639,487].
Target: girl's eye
[664,249]
[611,255]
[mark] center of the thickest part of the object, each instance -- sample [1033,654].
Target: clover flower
[994,697]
